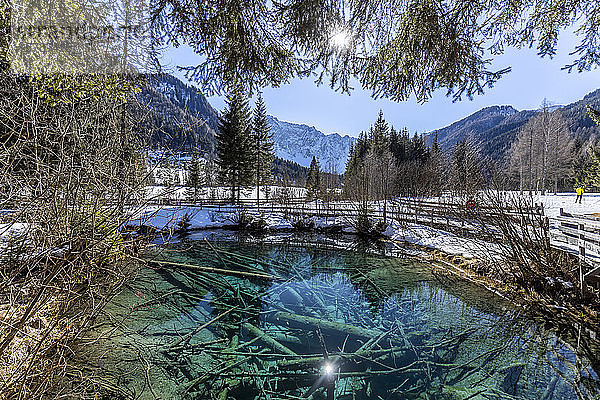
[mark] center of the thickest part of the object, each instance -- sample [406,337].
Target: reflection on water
[327,323]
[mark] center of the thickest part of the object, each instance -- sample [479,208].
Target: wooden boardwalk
[579,234]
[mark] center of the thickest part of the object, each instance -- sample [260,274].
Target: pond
[309,317]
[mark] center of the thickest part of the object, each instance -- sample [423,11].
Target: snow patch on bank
[441,240]
[12,230]
[167,218]
[202,218]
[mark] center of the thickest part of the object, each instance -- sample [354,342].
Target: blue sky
[531,80]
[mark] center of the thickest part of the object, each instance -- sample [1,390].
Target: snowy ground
[553,203]
[9,230]
[167,218]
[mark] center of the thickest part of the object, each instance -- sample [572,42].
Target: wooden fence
[579,234]
[573,233]
[468,221]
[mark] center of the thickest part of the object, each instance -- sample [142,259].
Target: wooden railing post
[581,245]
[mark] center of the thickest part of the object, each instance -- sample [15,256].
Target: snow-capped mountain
[299,143]
[181,118]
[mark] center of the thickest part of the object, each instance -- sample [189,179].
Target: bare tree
[543,148]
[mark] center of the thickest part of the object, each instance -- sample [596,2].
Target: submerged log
[186,338]
[268,340]
[291,296]
[217,270]
[356,357]
[309,323]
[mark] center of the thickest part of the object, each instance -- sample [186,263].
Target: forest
[544,157]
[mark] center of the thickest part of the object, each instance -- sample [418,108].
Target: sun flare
[340,40]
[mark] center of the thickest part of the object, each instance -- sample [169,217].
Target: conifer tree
[313,181]
[380,133]
[595,114]
[262,145]
[234,155]
[394,48]
[593,169]
[195,174]
[380,161]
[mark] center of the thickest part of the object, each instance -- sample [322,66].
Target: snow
[554,202]
[441,240]
[12,230]
[326,223]
[167,218]
[278,223]
[299,143]
[185,192]
[9,232]
[202,218]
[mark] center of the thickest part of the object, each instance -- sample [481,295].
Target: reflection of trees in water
[419,339]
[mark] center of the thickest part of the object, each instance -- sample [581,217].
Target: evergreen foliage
[313,180]
[592,170]
[386,162]
[262,146]
[176,116]
[594,114]
[196,178]
[394,49]
[234,156]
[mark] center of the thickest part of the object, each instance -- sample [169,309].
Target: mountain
[578,120]
[299,143]
[176,115]
[493,129]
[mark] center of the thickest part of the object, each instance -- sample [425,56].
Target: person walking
[579,191]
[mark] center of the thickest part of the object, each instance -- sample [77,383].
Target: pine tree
[592,171]
[394,51]
[380,133]
[262,141]
[234,155]
[595,114]
[313,181]
[195,174]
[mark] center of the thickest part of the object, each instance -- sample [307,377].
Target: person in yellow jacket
[579,191]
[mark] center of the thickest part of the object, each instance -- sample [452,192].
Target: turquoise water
[310,318]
